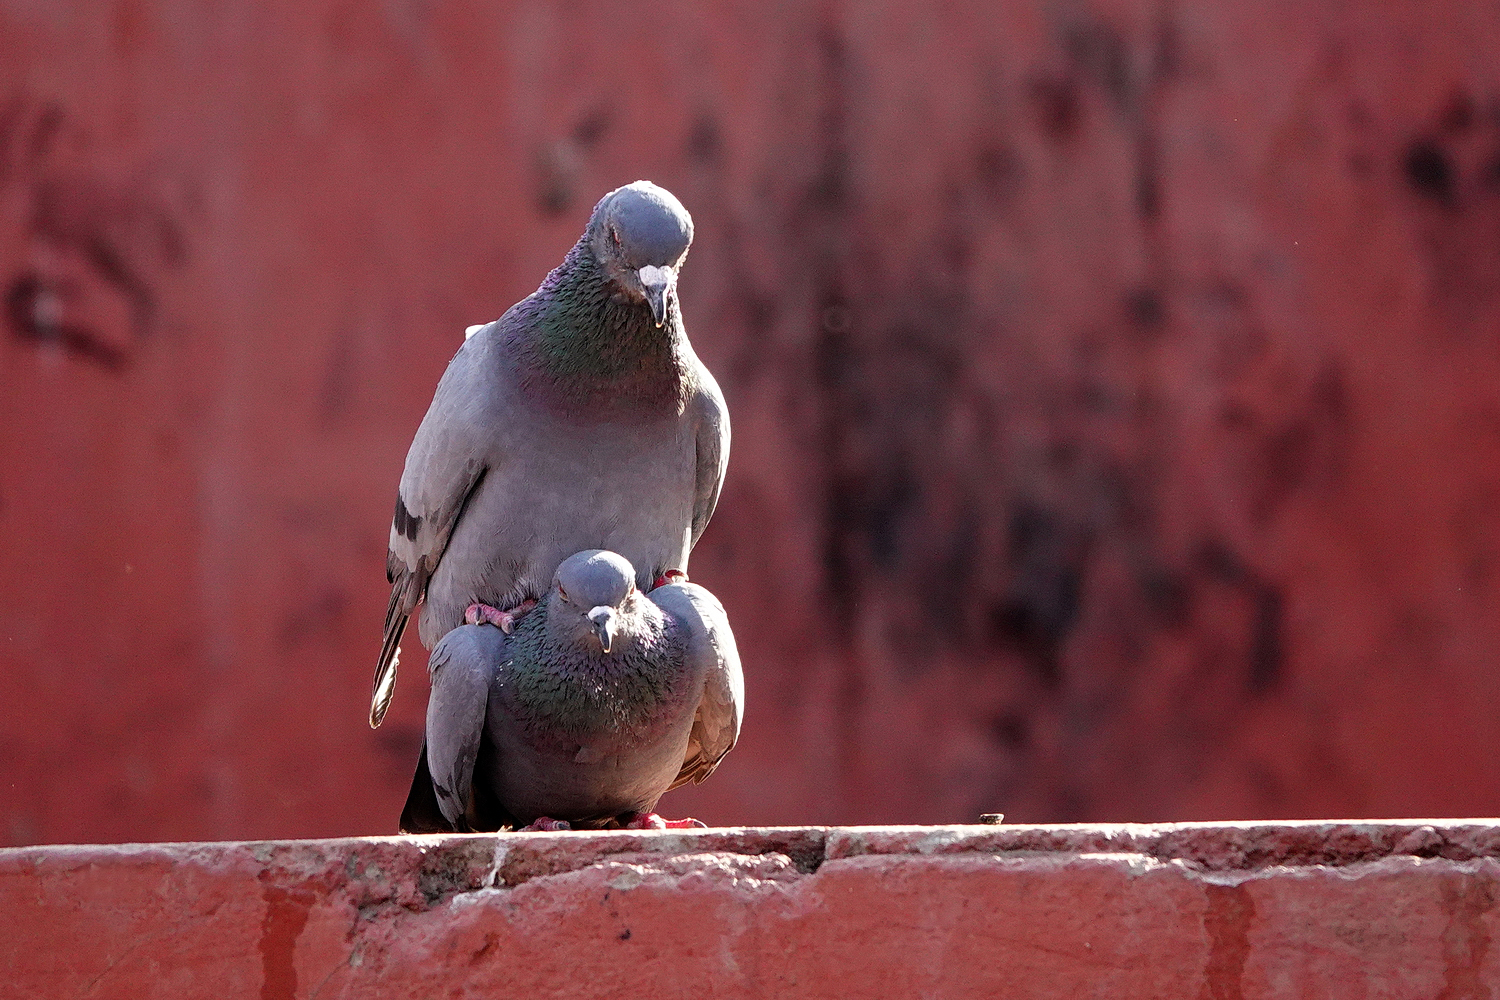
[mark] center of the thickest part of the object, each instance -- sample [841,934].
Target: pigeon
[600,700]
[579,419]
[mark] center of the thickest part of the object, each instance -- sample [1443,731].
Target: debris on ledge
[1332,909]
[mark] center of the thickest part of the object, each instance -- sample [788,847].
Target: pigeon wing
[711,650]
[462,666]
[713,450]
[443,468]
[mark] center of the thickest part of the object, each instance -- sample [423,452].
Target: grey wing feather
[445,464]
[461,666]
[713,451]
[716,725]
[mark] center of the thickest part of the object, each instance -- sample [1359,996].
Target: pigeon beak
[604,625]
[659,284]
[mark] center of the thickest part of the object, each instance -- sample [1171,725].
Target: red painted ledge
[1328,909]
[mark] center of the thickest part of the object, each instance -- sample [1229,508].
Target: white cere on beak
[655,277]
[658,283]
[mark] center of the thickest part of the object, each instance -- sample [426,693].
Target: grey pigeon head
[589,593]
[641,233]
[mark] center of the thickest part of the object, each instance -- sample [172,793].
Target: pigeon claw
[545,824]
[651,821]
[669,576]
[505,621]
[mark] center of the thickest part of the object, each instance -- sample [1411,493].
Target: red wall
[1314,910]
[1114,389]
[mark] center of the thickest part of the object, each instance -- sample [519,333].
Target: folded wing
[462,665]
[444,466]
[711,648]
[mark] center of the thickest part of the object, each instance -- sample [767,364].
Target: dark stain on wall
[1043,601]
[1430,173]
[1217,562]
[98,247]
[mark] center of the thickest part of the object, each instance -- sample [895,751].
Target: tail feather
[421,813]
[390,654]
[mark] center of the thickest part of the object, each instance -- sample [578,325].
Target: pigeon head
[641,234]
[589,593]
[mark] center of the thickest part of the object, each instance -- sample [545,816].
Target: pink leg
[546,824]
[504,620]
[670,576]
[651,821]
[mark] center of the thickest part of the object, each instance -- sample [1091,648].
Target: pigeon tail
[384,688]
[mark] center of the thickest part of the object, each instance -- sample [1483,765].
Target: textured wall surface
[1321,910]
[1115,388]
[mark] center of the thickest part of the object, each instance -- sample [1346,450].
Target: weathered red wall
[1115,385]
[1319,910]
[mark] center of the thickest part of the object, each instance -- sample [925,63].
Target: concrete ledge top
[471,861]
[1323,908]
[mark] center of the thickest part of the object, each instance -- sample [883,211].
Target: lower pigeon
[598,701]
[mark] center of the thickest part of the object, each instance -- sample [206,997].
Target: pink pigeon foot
[546,824]
[504,620]
[651,821]
[669,576]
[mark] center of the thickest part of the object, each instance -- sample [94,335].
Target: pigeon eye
[561,592]
[614,235]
